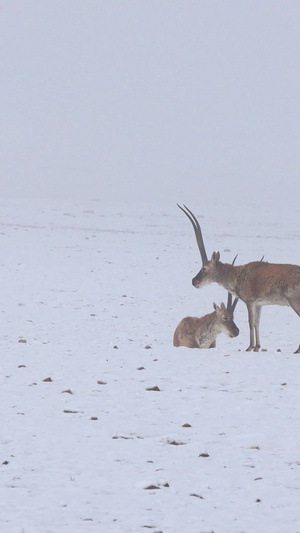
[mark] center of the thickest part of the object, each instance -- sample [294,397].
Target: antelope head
[226,316]
[207,274]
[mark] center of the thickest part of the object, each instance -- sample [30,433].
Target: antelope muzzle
[200,279]
[235,331]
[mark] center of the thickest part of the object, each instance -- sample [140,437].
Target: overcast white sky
[150,99]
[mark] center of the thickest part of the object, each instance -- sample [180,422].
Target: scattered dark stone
[48,380]
[5,462]
[148,347]
[22,341]
[70,412]
[102,382]
[116,347]
[141,368]
[283,384]
[122,437]
[153,389]
[203,455]
[186,425]
[152,487]
[278,350]
[67,391]
[94,418]
[258,500]
[197,496]
[176,443]
[21,366]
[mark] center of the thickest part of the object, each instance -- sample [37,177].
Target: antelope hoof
[257,347]
[298,349]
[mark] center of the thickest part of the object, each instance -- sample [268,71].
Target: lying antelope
[256,284]
[201,332]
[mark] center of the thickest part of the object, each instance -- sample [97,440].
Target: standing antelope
[256,284]
[201,332]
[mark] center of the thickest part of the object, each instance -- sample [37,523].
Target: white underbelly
[272,301]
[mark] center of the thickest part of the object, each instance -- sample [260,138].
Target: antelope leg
[251,313]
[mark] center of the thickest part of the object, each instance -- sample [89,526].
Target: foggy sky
[150,100]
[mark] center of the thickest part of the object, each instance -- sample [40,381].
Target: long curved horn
[197,230]
[231,305]
[229,300]
[235,301]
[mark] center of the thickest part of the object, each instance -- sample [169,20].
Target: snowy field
[106,427]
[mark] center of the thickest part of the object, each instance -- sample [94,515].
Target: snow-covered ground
[91,295]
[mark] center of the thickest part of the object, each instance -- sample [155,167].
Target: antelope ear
[215,256]
[215,306]
[223,306]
